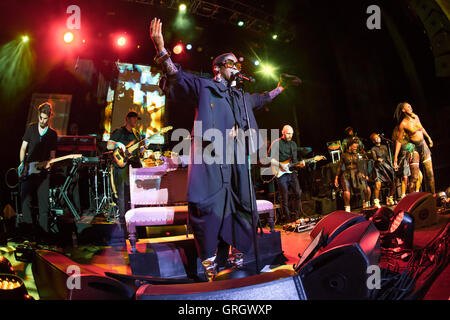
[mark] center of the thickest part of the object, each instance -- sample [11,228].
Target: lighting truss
[231,11]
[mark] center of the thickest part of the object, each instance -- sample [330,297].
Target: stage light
[68,37]
[274,36]
[178,49]
[256,63]
[240,23]
[25,38]
[188,46]
[268,71]
[182,7]
[121,41]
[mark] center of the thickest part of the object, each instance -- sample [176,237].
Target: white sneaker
[376,203]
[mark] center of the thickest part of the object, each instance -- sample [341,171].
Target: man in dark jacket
[220,203]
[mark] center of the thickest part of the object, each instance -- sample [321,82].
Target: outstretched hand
[156,34]
[287,80]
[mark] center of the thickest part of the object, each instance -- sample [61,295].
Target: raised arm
[162,55]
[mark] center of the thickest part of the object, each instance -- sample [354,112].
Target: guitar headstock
[165,129]
[318,158]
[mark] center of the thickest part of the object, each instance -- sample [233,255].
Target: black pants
[35,185]
[284,182]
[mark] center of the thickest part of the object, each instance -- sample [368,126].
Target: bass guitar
[26,169]
[121,157]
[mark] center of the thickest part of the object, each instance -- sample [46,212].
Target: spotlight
[256,63]
[240,23]
[274,36]
[188,46]
[178,49]
[25,38]
[267,69]
[68,37]
[182,7]
[121,41]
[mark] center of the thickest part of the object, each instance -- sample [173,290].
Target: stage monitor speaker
[270,251]
[421,206]
[339,271]
[336,222]
[50,272]
[276,285]
[174,259]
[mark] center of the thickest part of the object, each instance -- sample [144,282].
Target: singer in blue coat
[218,183]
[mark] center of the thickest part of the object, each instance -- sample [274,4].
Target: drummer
[352,178]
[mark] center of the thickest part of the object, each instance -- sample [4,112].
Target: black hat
[132,114]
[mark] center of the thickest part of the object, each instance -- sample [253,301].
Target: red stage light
[68,37]
[178,49]
[121,41]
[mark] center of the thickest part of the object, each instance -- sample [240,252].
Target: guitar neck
[306,161]
[69,156]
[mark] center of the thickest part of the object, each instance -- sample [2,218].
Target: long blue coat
[218,193]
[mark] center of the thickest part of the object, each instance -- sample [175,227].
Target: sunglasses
[231,64]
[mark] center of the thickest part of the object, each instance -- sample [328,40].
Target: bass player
[120,138]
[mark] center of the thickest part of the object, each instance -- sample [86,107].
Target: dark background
[352,76]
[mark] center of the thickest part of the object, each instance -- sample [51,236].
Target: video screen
[137,89]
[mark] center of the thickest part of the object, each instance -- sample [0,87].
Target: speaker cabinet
[421,206]
[55,280]
[336,222]
[175,259]
[339,271]
[276,285]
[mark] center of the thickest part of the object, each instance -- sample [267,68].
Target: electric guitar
[121,157]
[278,171]
[26,169]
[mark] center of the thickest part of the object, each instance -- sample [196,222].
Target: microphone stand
[250,182]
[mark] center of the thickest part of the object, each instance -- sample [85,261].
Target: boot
[237,260]
[210,268]
[376,203]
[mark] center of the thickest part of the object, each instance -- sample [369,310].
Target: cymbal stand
[107,202]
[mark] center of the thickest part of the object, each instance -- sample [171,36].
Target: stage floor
[115,259]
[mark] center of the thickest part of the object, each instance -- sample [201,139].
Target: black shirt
[124,136]
[287,150]
[39,147]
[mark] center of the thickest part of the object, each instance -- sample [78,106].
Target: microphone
[242,76]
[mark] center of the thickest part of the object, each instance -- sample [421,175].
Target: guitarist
[38,144]
[120,138]
[287,149]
